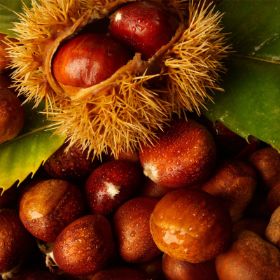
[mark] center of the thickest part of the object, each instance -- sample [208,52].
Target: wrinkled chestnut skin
[273,198]
[71,165]
[273,228]
[119,273]
[48,206]
[84,246]
[15,241]
[190,225]
[143,26]
[11,115]
[267,162]
[131,223]
[180,270]
[234,182]
[184,155]
[250,258]
[88,59]
[111,184]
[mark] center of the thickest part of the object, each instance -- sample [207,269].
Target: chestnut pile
[201,203]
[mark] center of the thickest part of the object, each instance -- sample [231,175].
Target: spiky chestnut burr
[128,108]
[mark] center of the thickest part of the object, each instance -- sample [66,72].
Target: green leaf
[251,102]
[23,155]
[8,10]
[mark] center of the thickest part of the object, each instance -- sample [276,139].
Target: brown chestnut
[111,184]
[15,242]
[273,228]
[131,223]
[190,225]
[234,182]
[250,258]
[84,246]
[273,198]
[180,270]
[267,162]
[184,155]
[73,164]
[144,26]
[11,115]
[48,206]
[88,59]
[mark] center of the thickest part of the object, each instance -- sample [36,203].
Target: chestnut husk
[128,109]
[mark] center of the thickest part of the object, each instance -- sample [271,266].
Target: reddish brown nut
[119,273]
[267,162]
[88,59]
[143,26]
[273,229]
[250,258]
[183,156]
[131,222]
[273,198]
[48,206]
[234,182]
[190,225]
[180,270]
[15,242]
[72,164]
[84,246]
[111,184]
[11,115]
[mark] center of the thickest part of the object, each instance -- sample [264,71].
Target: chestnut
[273,198]
[267,162]
[191,225]
[70,164]
[119,273]
[48,206]
[131,222]
[144,26]
[180,270]
[11,115]
[249,258]
[88,59]
[234,182]
[111,184]
[273,228]
[84,246]
[184,155]
[15,241]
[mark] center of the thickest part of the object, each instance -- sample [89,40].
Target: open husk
[126,110]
